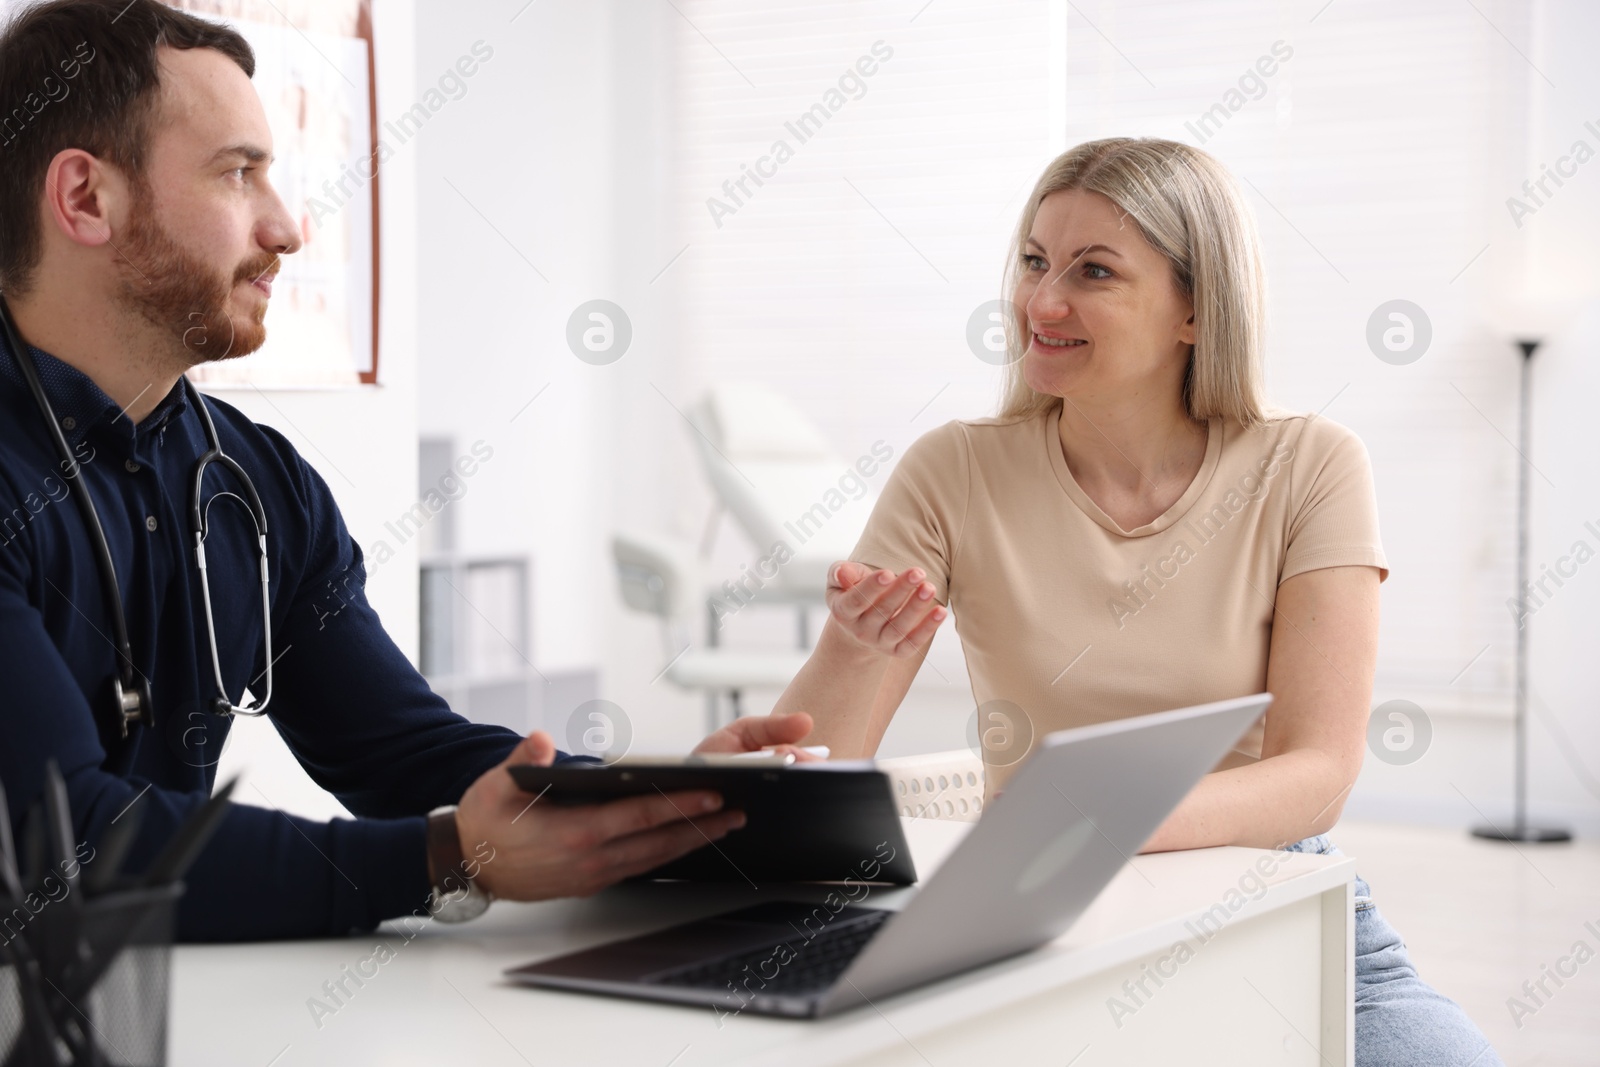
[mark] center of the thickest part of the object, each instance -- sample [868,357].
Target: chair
[939,785]
[769,467]
[660,578]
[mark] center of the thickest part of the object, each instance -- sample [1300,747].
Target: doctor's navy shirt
[353,710]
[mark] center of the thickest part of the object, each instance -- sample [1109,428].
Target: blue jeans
[1400,1019]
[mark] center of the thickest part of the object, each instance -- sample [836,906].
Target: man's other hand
[781,733]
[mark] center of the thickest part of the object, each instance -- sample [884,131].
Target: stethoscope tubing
[133,688]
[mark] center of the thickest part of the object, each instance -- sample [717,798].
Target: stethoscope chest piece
[134,704]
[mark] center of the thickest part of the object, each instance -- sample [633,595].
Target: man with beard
[139,236]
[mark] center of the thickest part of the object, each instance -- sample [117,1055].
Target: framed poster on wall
[317,78]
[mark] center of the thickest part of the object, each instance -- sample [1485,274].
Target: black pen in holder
[112,1006]
[85,956]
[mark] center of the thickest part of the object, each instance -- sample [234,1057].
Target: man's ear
[82,198]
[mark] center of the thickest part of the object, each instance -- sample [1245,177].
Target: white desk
[1272,983]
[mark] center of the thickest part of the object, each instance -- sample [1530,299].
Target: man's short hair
[82,74]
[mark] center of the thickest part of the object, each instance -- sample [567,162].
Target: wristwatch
[455,897]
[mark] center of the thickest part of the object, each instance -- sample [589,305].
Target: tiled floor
[1483,918]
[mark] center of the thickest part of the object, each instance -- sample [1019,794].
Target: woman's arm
[879,628]
[1319,670]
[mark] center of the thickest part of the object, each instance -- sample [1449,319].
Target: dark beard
[173,290]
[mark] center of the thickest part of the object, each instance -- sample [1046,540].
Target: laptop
[1073,813]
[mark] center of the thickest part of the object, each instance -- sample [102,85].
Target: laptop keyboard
[816,964]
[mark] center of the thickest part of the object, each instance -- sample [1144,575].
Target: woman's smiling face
[1101,313]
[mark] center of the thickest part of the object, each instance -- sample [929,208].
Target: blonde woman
[1137,530]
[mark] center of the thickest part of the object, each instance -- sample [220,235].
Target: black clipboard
[802,824]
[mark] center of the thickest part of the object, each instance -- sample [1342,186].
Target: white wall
[515,229]
[1468,769]
[540,190]
[1564,693]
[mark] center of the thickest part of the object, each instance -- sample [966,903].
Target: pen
[815,750]
[114,845]
[58,823]
[60,930]
[168,866]
[189,838]
[8,854]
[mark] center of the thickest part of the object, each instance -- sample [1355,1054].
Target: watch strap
[446,869]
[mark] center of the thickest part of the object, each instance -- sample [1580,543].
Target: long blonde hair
[1188,208]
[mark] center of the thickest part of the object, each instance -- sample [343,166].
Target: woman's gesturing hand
[882,611]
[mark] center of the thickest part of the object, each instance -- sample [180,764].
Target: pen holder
[86,981]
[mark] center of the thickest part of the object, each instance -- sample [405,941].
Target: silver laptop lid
[1079,807]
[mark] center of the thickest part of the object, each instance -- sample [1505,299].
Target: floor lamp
[1520,829]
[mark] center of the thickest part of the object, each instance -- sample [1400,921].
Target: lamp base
[1533,835]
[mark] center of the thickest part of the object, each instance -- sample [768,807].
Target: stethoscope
[131,688]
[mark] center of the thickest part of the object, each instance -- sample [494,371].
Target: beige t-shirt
[1067,619]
